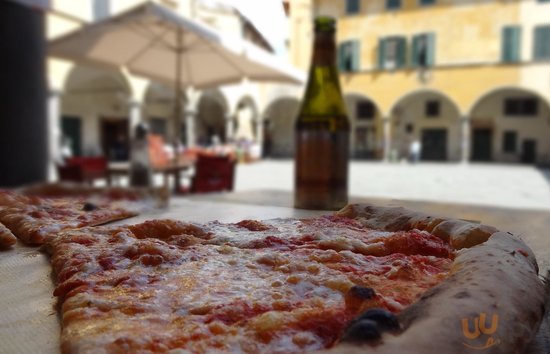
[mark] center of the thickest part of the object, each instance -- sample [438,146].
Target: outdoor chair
[213,174]
[83,169]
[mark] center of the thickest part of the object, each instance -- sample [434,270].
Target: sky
[268,17]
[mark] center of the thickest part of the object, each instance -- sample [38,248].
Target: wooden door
[529,151]
[482,144]
[71,129]
[115,139]
[434,145]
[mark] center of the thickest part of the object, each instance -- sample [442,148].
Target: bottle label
[321,169]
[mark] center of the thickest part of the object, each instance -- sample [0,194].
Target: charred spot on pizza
[361,292]
[362,331]
[462,294]
[385,320]
[254,225]
[89,206]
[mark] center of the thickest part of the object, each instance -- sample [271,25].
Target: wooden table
[29,321]
[175,169]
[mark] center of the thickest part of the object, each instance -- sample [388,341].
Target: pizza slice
[34,212]
[7,239]
[380,279]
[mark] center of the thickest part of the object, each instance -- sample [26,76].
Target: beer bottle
[322,129]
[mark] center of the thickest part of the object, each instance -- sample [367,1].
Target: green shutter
[511,38]
[345,47]
[401,52]
[341,56]
[415,48]
[429,39]
[430,48]
[381,53]
[541,49]
[356,52]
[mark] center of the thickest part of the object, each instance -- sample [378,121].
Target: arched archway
[366,126]
[430,118]
[279,118]
[95,112]
[159,110]
[510,124]
[211,117]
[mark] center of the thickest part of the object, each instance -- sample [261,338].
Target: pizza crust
[493,278]
[157,197]
[7,239]
[458,233]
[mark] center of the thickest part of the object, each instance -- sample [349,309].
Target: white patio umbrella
[152,41]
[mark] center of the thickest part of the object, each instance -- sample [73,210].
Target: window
[158,126]
[427,2]
[423,50]
[391,52]
[348,56]
[353,6]
[521,107]
[509,141]
[100,9]
[365,142]
[365,110]
[409,128]
[543,0]
[432,108]
[393,4]
[541,49]
[511,39]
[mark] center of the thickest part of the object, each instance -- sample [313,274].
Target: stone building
[94,108]
[470,80]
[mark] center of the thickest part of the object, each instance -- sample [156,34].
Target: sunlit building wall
[467,79]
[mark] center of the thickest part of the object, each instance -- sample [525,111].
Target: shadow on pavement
[545,172]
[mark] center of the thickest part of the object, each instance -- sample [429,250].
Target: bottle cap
[325,24]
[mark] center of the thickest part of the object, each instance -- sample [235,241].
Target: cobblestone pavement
[514,186]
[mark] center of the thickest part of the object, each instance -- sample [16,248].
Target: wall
[535,75]
[490,110]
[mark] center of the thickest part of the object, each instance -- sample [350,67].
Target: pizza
[365,279]
[7,238]
[40,210]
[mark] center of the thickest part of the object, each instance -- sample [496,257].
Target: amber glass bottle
[322,129]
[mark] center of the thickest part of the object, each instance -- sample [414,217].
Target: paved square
[512,186]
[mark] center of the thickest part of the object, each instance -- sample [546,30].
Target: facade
[93,109]
[469,80]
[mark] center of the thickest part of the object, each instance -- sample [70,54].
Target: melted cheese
[280,286]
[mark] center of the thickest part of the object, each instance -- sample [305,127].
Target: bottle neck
[324,50]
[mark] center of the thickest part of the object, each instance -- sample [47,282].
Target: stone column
[54,133]
[229,127]
[386,121]
[191,113]
[23,118]
[134,113]
[190,117]
[465,139]
[260,135]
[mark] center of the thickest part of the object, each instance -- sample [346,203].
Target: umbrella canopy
[153,41]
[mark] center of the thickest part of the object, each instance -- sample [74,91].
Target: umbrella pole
[178,89]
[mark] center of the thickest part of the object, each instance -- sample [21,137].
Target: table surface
[29,308]
[124,166]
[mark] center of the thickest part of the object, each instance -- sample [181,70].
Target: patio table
[175,169]
[29,321]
